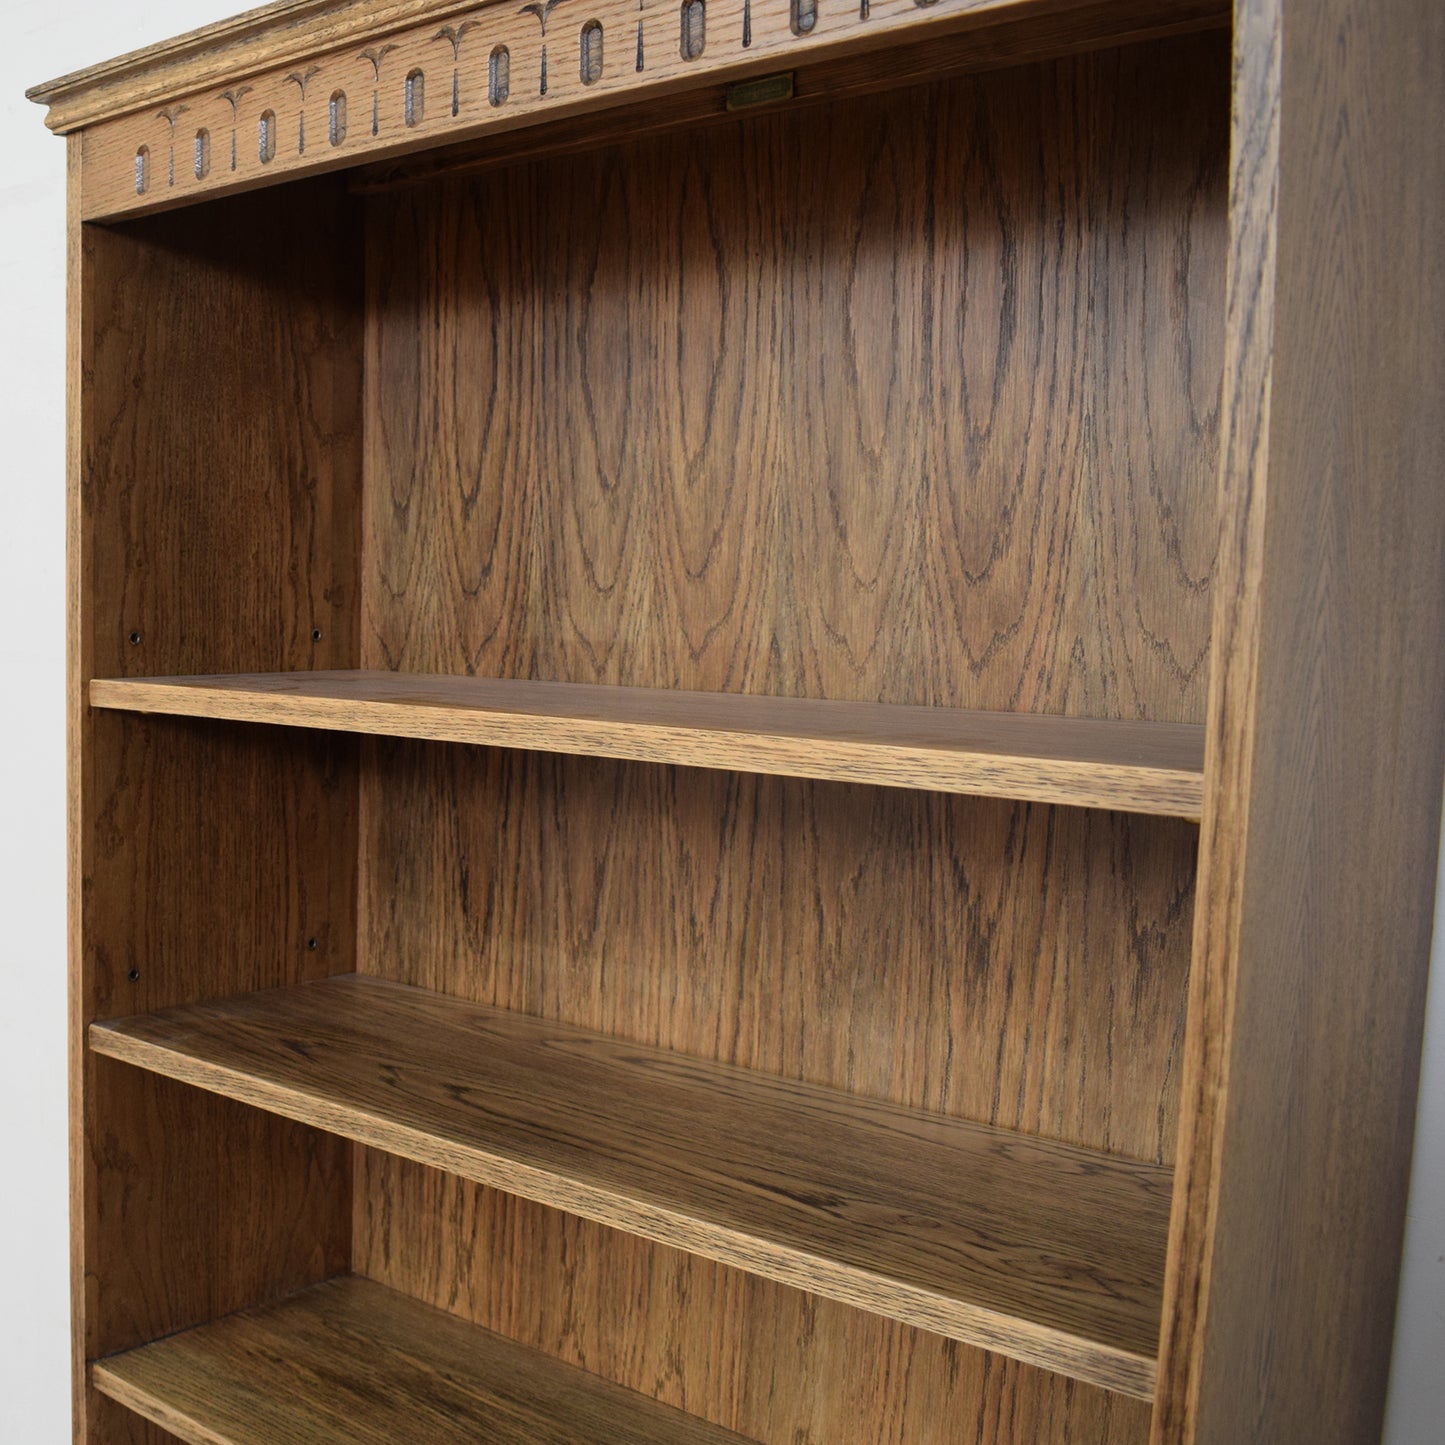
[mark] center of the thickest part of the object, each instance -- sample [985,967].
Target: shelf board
[1141,767]
[349,1362]
[1046,1252]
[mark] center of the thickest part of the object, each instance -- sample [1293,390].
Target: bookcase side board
[1327,713]
[655,586]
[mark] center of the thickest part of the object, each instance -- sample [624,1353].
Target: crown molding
[233,49]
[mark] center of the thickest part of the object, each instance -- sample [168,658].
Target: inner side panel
[220,416]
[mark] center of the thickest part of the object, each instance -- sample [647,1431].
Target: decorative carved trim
[505,65]
[280,35]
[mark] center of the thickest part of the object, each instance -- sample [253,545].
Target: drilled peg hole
[316,634]
[134,975]
[311,945]
[135,639]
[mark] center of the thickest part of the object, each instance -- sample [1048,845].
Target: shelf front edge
[352,1362]
[763,745]
[637,1208]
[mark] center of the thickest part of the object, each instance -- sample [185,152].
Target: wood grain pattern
[576,470]
[206,858]
[1041,1251]
[847,936]
[350,1363]
[613,455]
[911,402]
[1018,965]
[279,33]
[773,1363]
[1326,716]
[1002,43]
[640,56]
[1133,767]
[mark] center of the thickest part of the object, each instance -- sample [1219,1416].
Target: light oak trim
[641,58]
[1142,767]
[1042,1251]
[1002,45]
[350,1362]
[266,36]
[288,32]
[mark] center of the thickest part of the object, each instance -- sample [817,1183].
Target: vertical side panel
[215,463]
[1326,717]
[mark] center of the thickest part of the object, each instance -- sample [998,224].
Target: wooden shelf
[1043,1251]
[351,1363]
[1130,766]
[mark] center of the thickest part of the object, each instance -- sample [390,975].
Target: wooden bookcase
[756,720]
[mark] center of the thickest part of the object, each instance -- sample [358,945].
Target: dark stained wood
[844,935]
[847,936]
[951,354]
[1135,767]
[213,481]
[910,400]
[1326,717]
[776,1364]
[351,1363]
[1042,1251]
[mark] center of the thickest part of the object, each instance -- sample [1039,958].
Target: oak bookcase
[756,718]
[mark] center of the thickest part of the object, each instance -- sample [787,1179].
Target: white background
[44,38]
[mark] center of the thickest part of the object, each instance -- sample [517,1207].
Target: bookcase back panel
[214,526]
[911,398]
[779,1366]
[1023,966]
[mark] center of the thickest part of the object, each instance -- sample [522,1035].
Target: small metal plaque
[765,90]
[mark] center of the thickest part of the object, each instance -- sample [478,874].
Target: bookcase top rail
[302,88]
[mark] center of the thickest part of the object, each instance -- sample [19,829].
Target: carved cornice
[231,50]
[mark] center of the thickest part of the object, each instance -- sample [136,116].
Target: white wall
[44,38]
